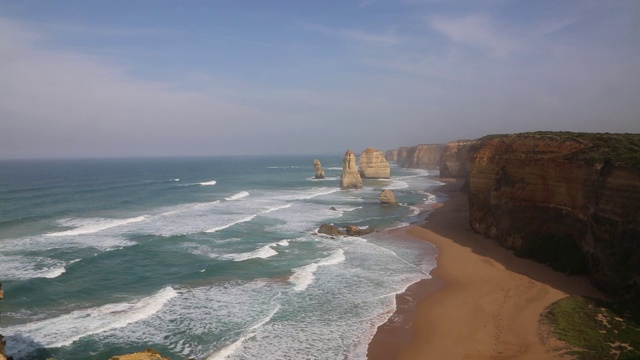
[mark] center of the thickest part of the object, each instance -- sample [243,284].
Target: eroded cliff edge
[569,199]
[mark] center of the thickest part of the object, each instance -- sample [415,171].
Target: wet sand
[482,303]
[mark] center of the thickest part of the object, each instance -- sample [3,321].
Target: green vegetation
[596,329]
[559,251]
[603,148]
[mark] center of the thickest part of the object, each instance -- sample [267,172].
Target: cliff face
[391,155]
[456,158]
[401,155]
[350,176]
[3,343]
[373,165]
[569,199]
[420,156]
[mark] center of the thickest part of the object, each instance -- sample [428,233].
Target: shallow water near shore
[206,258]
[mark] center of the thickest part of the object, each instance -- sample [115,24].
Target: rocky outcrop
[330,229]
[373,165]
[353,230]
[568,199]
[3,355]
[420,156]
[350,230]
[318,169]
[350,176]
[391,155]
[148,354]
[387,197]
[456,157]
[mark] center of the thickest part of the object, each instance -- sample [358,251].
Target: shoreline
[482,301]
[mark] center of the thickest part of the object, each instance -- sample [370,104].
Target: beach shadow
[451,221]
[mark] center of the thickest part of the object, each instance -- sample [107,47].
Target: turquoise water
[205,258]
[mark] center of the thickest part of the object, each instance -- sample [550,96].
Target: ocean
[203,258]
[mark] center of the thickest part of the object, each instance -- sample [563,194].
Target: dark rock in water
[333,208]
[330,229]
[353,230]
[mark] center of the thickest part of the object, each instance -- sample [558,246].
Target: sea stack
[319,170]
[387,197]
[350,177]
[373,165]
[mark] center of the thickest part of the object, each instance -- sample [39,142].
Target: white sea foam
[237,196]
[208,183]
[54,273]
[396,185]
[231,349]
[303,276]
[261,253]
[324,179]
[285,206]
[65,329]
[222,227]
[29,267]
[93,225]
[174,180]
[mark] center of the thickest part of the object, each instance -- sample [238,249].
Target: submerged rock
[387,197]
[350,176]
[373,165]
[318,168]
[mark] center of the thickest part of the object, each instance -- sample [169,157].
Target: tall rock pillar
[350,177]
[318,168]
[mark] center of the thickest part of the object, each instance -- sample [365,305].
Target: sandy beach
[482,303]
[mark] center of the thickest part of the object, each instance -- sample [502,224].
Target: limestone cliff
[373,165]
[568,199]
[350,176]
[3,343]
[420,156]
[148,354]
[318,169]
[391,155]
[456,157]
[401,155]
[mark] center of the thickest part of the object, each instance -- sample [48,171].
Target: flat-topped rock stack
[373,165]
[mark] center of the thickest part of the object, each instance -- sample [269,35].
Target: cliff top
[619,149]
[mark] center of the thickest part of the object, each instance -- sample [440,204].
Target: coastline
[482,301]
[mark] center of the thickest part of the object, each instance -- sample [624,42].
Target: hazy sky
[150,77]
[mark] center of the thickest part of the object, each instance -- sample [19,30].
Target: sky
[123,78]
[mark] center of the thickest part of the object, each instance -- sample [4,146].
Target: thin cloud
[385,39]
[477,31]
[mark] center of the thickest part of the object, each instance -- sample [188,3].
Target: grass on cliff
[596,329]
[621,149]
